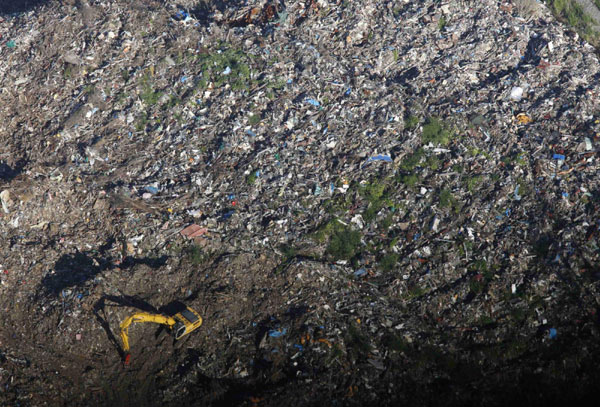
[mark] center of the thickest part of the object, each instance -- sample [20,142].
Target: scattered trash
[307,164]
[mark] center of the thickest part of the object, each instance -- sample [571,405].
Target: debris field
[366,201]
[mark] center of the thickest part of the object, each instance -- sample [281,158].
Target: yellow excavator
[180,324]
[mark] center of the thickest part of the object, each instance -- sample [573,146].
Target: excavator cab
[187,321]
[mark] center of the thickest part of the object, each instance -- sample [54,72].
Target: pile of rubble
[366,201]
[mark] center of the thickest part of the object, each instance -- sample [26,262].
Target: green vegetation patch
[486,321]
[68,72]
[142,122]
[196,255]
[474,152]
[436,132]
[473,182]
[251,178]
[447,200]
[344,244]
[415,291]
[254,119]
[173,101]
[387,222]
[373,191]
[411,161]
[389,261]
[89,89]
[228,66]
[375,194]
[357,342]
[572,13]
[396,342]
[326,229]
[433,162]
[442,23]
[148,95]
[410,180]
[411,122]
[338,203]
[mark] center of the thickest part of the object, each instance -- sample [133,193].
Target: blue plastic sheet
[380,157]
[360,272]
[277,333]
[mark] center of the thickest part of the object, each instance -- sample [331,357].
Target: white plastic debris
[516,93]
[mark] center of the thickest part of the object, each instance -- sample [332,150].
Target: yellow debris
[522,118]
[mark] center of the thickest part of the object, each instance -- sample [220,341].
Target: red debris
[193,231]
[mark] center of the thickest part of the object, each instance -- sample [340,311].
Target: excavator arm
[142,317]
[181,324]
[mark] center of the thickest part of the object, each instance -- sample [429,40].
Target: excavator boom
[180,324]
[142,317]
